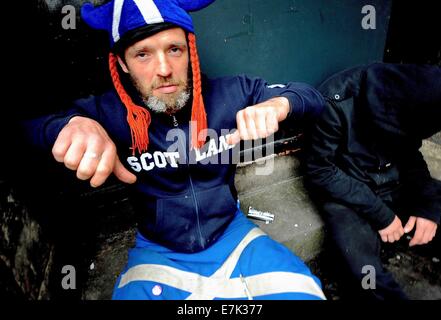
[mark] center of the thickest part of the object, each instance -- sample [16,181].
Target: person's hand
[260,120]
[392,232]
[84,146]
[425,230]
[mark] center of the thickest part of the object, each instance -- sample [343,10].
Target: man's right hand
[84,146]
[392,232]
[425,230]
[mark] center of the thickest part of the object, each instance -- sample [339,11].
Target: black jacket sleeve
[423,192]
[329,182]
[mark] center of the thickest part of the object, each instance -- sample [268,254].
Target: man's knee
[342,219]
[334,207]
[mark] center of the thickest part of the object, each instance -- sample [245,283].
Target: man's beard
[170,106]
[169,103]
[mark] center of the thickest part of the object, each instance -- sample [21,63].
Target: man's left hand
[425,230]
[260,120]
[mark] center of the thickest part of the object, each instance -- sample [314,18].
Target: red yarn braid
[138,117]
[198,114]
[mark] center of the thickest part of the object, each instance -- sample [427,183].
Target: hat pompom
[98,17]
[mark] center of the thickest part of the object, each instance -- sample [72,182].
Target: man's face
[158,66]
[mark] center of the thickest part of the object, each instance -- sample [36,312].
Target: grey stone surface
[432,154]
[436,138]
[297,223]
[107,265]
[26,255]
[417,273]
[263,172]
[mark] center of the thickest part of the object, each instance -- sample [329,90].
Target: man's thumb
[122,173]
[410,224]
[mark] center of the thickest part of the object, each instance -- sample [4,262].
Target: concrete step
[432,154]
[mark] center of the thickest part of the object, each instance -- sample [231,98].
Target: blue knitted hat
[118,17]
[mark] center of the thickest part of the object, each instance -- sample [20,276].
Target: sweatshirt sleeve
[305,102]
[42,132]
[328,182]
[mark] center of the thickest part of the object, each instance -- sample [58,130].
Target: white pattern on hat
[149,11]
[117,9]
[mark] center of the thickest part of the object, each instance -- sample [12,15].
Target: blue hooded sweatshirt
[184,199]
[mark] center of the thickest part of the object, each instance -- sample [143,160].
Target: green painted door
[282,40]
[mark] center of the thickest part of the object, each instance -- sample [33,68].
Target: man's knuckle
[249,112]
[263,133]
[80,136]
[86,172]
[110,147]
[260,112]
[96,139]
[82,175]
[71,163]
[104,170]
[57,153]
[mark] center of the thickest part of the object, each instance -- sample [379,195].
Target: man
[365,170]
[193,242]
